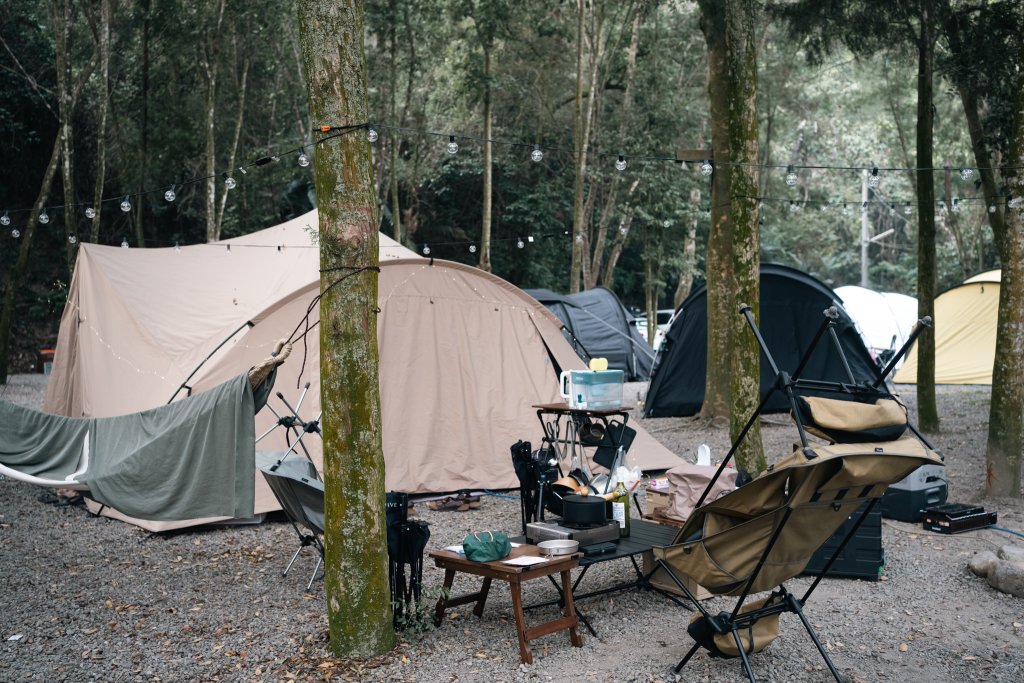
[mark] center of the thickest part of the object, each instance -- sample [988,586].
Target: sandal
[448,503]
[472,501]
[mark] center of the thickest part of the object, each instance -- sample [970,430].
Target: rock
[1007,577]
[1012,553]
[982,562]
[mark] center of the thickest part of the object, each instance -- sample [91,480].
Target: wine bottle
[620,509]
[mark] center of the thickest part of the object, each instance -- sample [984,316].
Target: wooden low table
[454,563]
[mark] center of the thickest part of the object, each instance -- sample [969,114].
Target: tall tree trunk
[721,300]
[1006,411]
[733,84]
[140,205]
[927,410]
[61,18]
[210,69]
[689,259]
[485,222]
[358,597]
[101,123]
[243,82]
[580,138]
[393,139]
[15,275]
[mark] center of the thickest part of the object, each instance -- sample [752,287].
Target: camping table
[454,563]
[643,537]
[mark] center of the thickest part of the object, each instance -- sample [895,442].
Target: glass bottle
[620,509]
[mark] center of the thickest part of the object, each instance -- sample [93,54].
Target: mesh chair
[764,533]
[295,484]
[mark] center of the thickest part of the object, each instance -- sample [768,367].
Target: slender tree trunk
[927,410]
[358,597]
[61,16]
[580,139]
[619,243]
[1006,411]
[393,140]
[140,205]
[689,259]
[101,123]
[210,69]
[243,82]
[485,223]
[952,223]
[15,275]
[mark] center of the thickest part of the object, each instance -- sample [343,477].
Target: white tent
[463,354]
[884,319]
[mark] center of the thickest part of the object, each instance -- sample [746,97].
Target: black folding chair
[301,495]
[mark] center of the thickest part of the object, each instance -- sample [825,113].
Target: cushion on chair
[852,421]
[755,638]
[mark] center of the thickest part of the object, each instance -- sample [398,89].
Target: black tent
[792,305]
[599,326]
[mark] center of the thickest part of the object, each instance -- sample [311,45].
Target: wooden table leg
[575,637]
[449,579]
[517,608]
[484,589]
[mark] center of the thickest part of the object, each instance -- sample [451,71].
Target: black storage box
[952,518]
[906,499]
[862,558]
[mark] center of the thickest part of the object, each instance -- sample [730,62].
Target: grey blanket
[192,458]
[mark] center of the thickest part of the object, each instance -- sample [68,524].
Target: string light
[472,248]
[706,168]
[794,206]
[966,173]
[622,229]
[124,243]
[5,220]
[303,159]
[371,135]
[537,155]
[846,210]
[126,205]
[908,209]
[227,249]
[229,182]
[177,247]
[956,205]
[873,178]
[15,233]
[519,242]
[452,146]
[791,176]
[991,208]
[170,195]
[620,163]
[90,212]
[426,249]
[44,217]
[73,239]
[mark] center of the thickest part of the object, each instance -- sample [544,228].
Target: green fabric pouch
[486,546]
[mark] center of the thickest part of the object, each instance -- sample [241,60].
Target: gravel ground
[89,599]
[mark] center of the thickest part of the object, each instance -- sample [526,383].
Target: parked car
[664,317]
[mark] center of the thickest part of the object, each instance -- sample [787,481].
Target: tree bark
[210,68]
[140,205]
[358,596]
[61,19]
[485,222]
[101,123]
[243,82]
[580,137]
[1006,411]
[927,410]
[730,32]
[393,140]
[690,257]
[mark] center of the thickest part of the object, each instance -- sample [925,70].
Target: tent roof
[880,316]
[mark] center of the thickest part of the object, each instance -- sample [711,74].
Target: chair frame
[781,600]
[287,488]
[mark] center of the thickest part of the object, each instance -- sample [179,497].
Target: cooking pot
[584,510]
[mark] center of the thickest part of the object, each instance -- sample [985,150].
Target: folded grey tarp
[192,458]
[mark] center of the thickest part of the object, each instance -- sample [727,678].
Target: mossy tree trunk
[580,136]
[1006,414]
[927,410]
[733,261]
[358,597]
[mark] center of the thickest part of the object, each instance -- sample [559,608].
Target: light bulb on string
[791,176]
[229,182]
[126,204]
[846,209]
[452,146]
[956,205]
[825,207]
[537,155]
[227,249]
[706,168]
[371,135]
[707,213]
[15,233]
[908,209]
[579,239]
[90,212]
[794,206]
[170,195]
[991,208]
[519,243]
[622,229]
[5,220]
[177,247]
[863,207]
[426,249]
[44,217]
[124,243]
[303,160]
[873,178]
[472,248]
[72,239]
[620,163]
[966,173]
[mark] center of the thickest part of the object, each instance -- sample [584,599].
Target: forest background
[145,97]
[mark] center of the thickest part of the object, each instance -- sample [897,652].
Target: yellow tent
[965,333]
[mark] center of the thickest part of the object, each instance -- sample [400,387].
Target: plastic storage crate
[862,558]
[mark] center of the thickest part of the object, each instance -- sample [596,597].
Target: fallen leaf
[903,647]
[968,658]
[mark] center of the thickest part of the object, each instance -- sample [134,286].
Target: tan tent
[463,354]
[965,333]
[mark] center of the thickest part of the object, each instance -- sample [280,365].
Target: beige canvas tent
[463,354]
[965,333]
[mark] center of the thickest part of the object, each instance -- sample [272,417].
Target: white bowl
[559,547]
